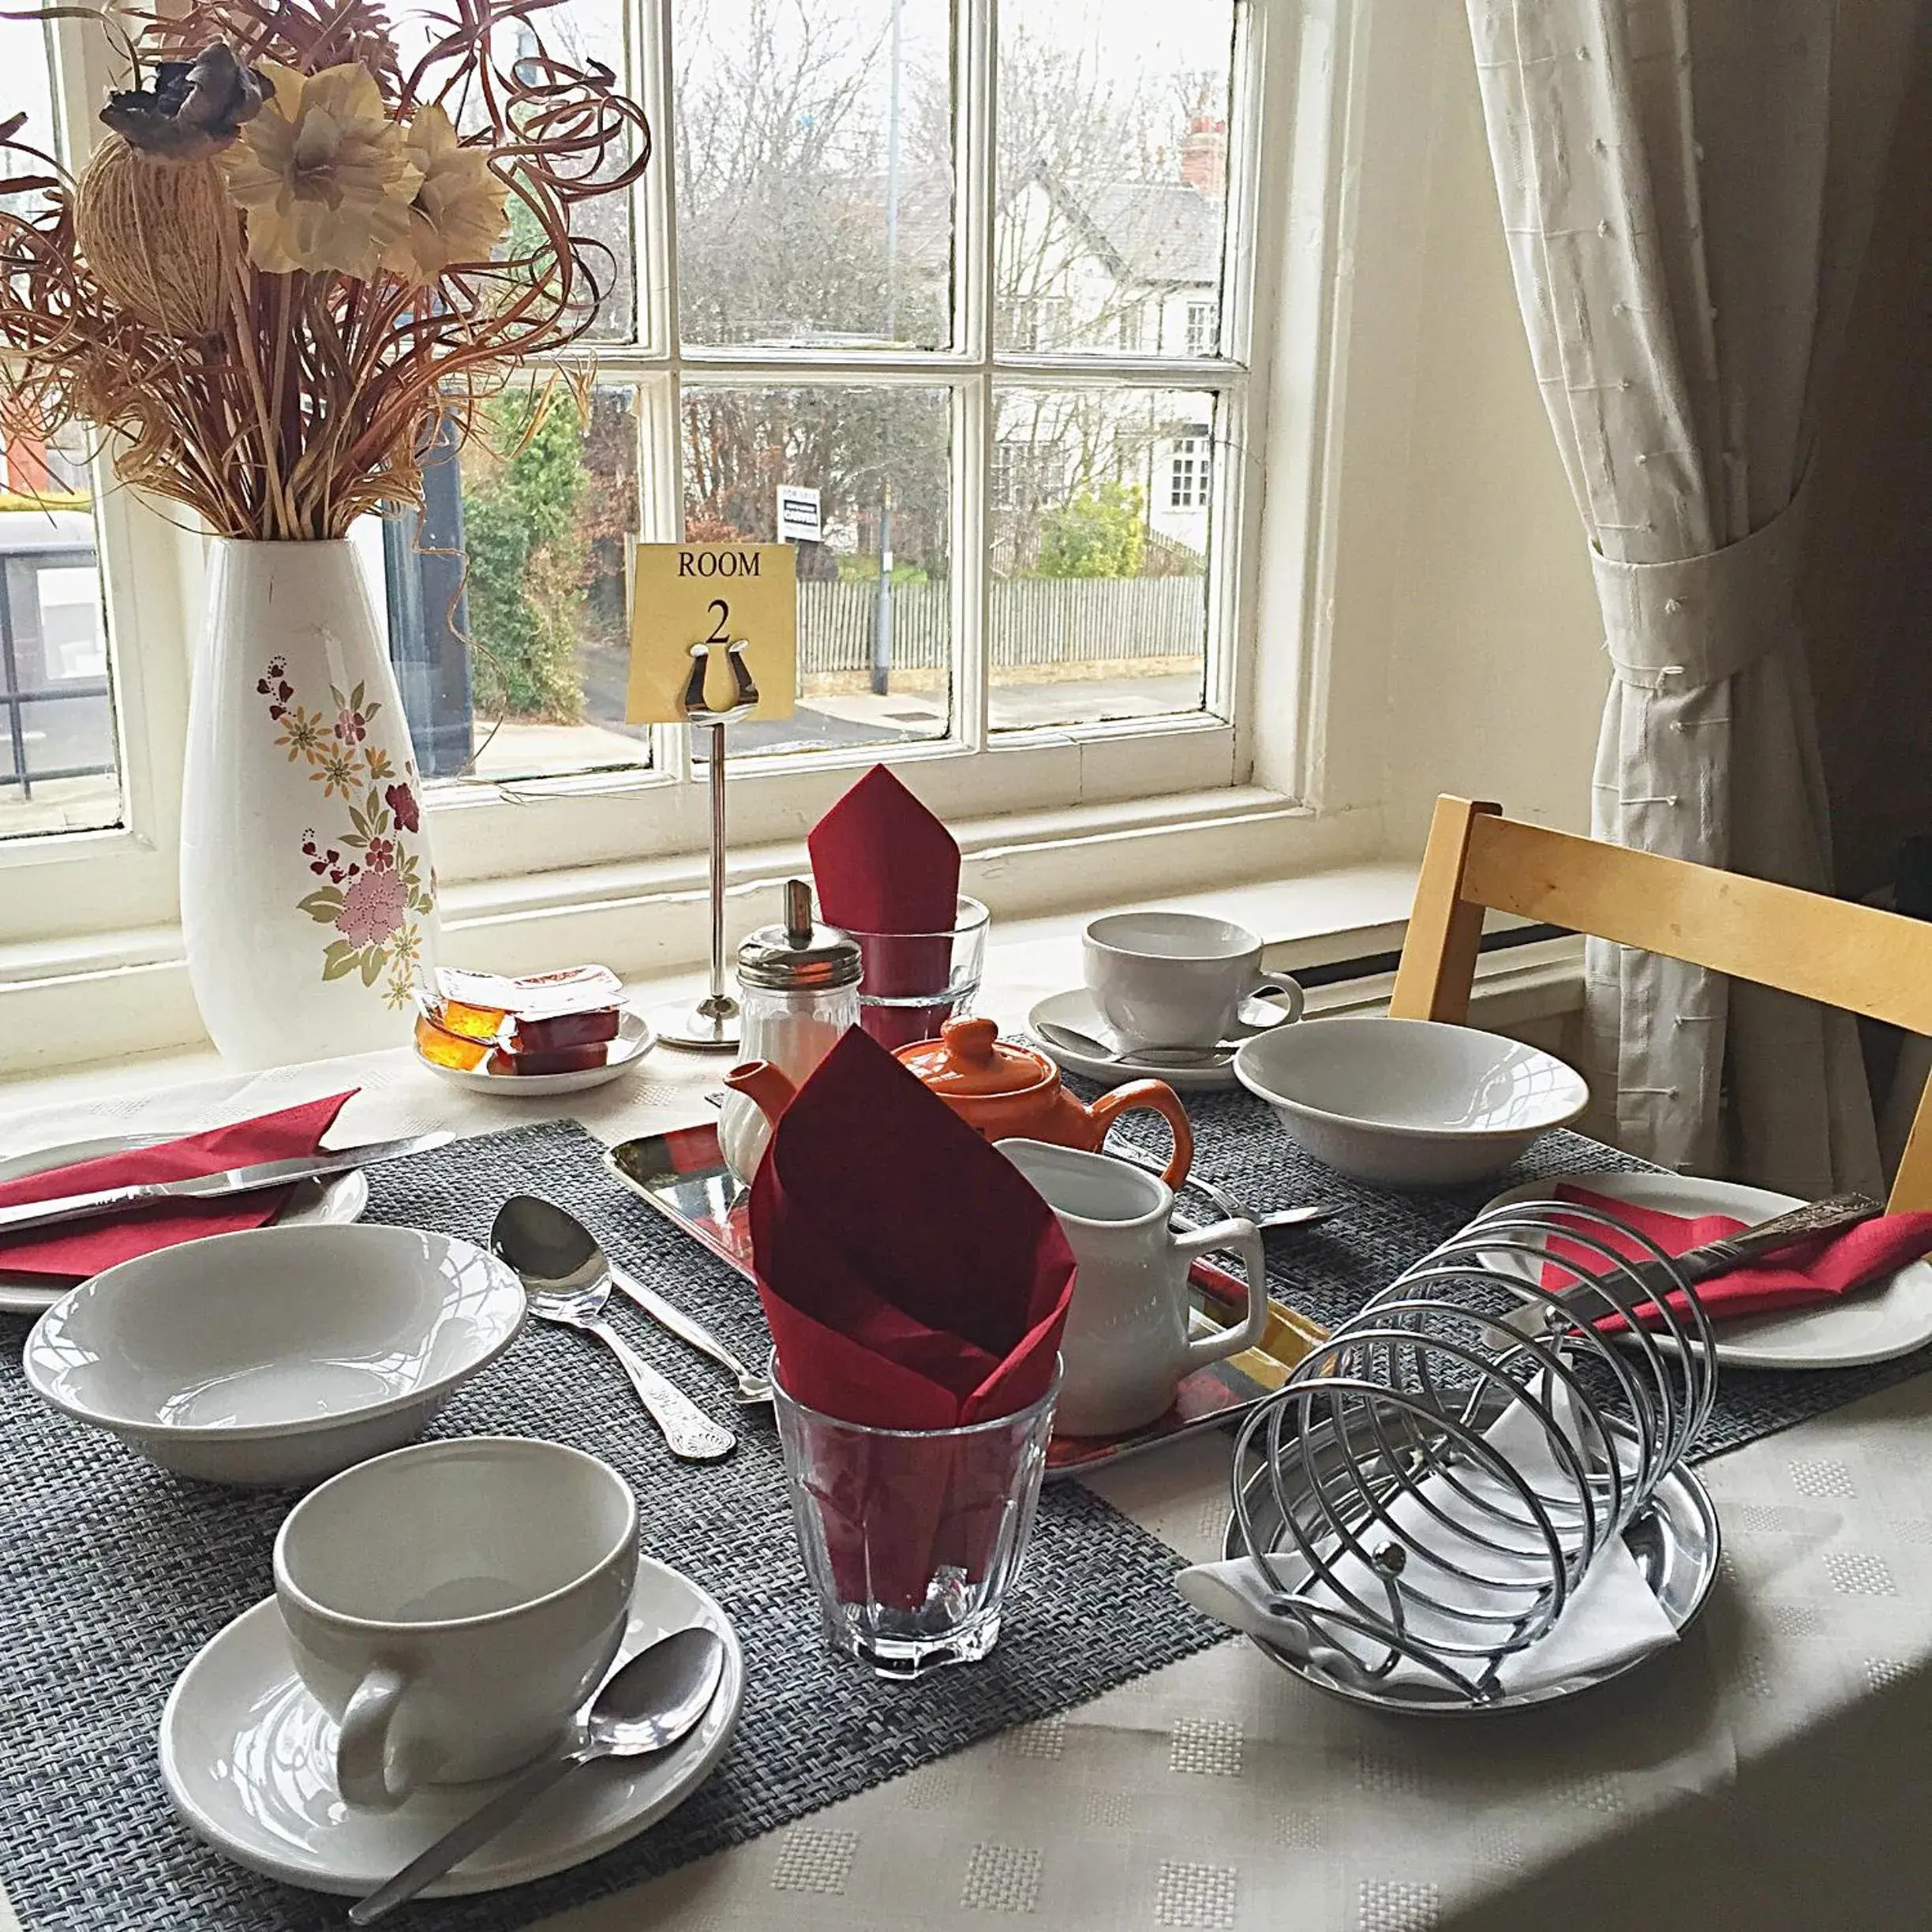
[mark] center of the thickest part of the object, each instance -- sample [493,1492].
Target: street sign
[799,519]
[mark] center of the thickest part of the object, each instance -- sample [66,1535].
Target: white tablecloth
[1767,1773]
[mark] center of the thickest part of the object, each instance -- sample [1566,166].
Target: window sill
[109,997]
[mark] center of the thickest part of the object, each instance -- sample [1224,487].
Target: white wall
[1498,675]
[1448,611]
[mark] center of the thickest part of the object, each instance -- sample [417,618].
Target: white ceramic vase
[307,892]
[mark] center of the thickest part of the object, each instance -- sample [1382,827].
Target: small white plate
[1873,1323]
[634,1039]
[1077,1010]
[248,1758]
[328,1203]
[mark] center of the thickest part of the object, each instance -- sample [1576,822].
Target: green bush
[520,497]
[1100,534]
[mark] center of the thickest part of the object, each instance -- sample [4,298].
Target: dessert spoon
[576,1298]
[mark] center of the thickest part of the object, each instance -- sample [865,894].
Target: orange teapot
[1004,1092]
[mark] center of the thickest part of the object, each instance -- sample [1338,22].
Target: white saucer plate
[247,1756]
[1076,1009]
[634,1039]
[1875,1324]
[330,1203]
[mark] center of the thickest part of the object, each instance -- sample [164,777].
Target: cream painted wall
[1498,675]
[1450,618]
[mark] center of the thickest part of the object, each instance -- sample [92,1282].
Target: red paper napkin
[83,1247]
[912,1279]
[884,864]
[1815,1270]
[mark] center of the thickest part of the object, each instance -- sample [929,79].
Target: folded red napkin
[883,864]
[1814,1270]
[83,1248]
[912,1279]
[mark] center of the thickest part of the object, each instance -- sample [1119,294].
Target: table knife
[250,1180]
[1651,1281]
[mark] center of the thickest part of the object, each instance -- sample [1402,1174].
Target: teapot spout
[766,1086]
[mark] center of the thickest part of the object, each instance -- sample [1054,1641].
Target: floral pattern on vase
[374,893]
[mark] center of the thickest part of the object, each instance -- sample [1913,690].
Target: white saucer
[331,1202]
[1076,1009]
[1873,1323]
[247,1756]
[634,1039]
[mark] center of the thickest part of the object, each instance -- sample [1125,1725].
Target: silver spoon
[655,1700]
[551,1242]
[1306,1216]
[1072,1040]
[576,1299]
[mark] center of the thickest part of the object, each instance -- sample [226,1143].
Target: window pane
[1101,531]
[543,503]
[1111,203]
[59,768]
[814,171]
[875,657]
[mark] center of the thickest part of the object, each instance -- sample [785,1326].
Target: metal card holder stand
[712,1026]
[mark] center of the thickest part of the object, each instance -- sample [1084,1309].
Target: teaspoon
[655,1700]
[1074,1040]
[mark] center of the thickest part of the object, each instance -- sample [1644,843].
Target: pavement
[825,722]
[520,749]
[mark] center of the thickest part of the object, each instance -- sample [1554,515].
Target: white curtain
[1687,187]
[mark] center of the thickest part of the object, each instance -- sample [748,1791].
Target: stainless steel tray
[683,1176]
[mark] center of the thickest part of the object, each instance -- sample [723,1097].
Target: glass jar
[798,991]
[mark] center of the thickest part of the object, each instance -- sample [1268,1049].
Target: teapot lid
[969,1060]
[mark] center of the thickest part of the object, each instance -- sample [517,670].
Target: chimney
[1204,156]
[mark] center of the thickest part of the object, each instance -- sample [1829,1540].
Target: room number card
[711,594]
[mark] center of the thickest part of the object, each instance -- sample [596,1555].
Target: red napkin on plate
[912,1279]
[83,1248]
[1815,1270]
[884,864]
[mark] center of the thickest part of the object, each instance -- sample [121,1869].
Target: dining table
[1766,1772]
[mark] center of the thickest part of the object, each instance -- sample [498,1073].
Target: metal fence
[49,727]
[1031,620]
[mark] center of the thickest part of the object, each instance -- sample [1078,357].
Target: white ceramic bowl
[278,1355]
[1408,1102]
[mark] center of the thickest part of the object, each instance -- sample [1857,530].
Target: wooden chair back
[1853,956]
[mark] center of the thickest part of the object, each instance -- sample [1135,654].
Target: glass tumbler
[913,982]
[913,1537]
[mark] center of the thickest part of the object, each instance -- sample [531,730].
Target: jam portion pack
[545,1023]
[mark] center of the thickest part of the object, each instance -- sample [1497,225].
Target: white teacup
[1126,1345]
[453,1604]
[1176,979]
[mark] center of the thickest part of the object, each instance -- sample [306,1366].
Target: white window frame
[1290,100]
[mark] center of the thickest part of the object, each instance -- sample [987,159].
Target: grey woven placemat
[115,1573]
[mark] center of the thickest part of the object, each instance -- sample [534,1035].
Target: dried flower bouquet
[290,258]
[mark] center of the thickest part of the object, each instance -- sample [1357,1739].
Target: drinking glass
[913,982]
[913,1537]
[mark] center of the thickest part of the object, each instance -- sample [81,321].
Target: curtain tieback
[1699,619]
